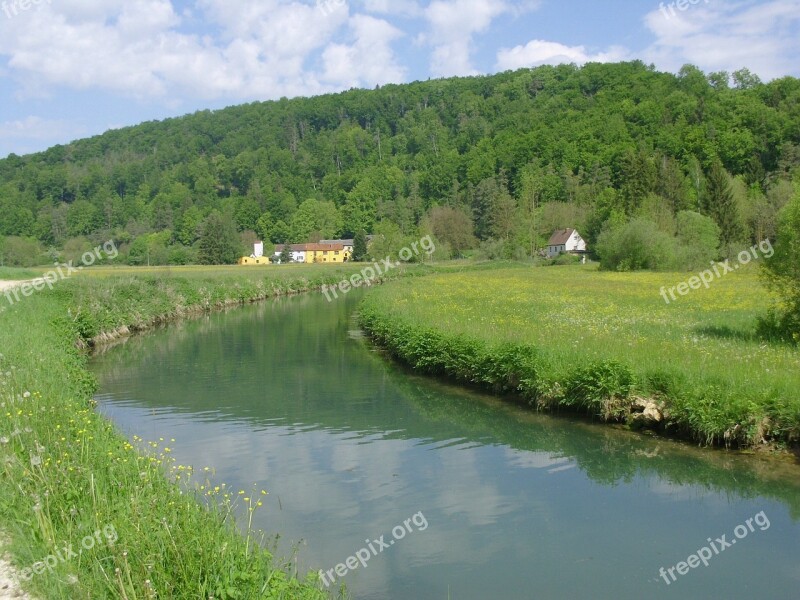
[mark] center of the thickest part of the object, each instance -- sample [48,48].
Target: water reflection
[519,505]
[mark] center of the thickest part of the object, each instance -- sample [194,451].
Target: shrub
[635,246]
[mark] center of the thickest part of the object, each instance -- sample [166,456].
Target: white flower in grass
[4,440]
[36,461]
[26,395]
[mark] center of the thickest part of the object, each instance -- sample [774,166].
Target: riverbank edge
[83,330]
[512,371]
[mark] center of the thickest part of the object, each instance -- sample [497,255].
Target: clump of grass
[603,388]
[66,473]
[583,340]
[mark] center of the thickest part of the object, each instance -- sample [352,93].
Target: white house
[565,241]
[298,252]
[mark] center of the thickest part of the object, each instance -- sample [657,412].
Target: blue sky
[74,68]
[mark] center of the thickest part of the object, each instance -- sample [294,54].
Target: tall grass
[66,473]
[576,339]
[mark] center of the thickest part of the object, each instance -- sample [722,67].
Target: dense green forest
[489,165]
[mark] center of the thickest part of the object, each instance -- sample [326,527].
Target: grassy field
[67,476]
[575,338]
[15,274]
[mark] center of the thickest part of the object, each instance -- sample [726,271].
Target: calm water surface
[286,395]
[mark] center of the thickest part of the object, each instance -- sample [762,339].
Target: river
[493,501]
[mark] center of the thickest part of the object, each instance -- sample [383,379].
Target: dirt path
[4,285]
[9,589]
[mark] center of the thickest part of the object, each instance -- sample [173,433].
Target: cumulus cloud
[248,49]
[541,52]
[29,133]
[369,59]
[453,23]
[714,35]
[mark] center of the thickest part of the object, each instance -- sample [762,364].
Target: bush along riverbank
[459,327]
[88,514]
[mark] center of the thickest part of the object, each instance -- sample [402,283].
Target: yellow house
[254,260]
[326,253]
[257,257]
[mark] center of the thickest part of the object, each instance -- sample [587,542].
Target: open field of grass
[579,339]
[15,274]
[66,473]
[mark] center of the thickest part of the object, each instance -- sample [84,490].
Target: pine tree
[720,204]
[286,254]
[360,246]
[219,241]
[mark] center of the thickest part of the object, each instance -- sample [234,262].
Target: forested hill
[518,153]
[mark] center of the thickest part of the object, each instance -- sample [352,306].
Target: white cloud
[540,52]
[715,35]
[369,60]
[453,24]
[254,49]
[33,128]
[404,8]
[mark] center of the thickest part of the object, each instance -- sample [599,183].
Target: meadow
[66,474]
[574,338]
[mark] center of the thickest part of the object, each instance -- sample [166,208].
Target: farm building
[565,241]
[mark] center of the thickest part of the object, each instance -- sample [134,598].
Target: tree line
[699,164]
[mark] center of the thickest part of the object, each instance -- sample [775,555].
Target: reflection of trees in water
[292,358]
[606,455]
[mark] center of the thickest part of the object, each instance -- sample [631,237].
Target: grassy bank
[572,338]
[66,473]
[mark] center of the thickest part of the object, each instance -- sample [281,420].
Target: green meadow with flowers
[67,473]
[605,343]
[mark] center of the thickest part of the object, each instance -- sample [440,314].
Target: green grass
[16,274]
[65,472]
[574,338]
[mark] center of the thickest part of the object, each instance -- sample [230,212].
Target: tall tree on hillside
[219,241]
[719,203]
[360,246]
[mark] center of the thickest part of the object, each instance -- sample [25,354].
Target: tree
[286,254]
[219,241]
[452,227]
[360,246]
[720,204]
[247,214]
[316,219]
[699,237]
[783,269]
[189,228]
